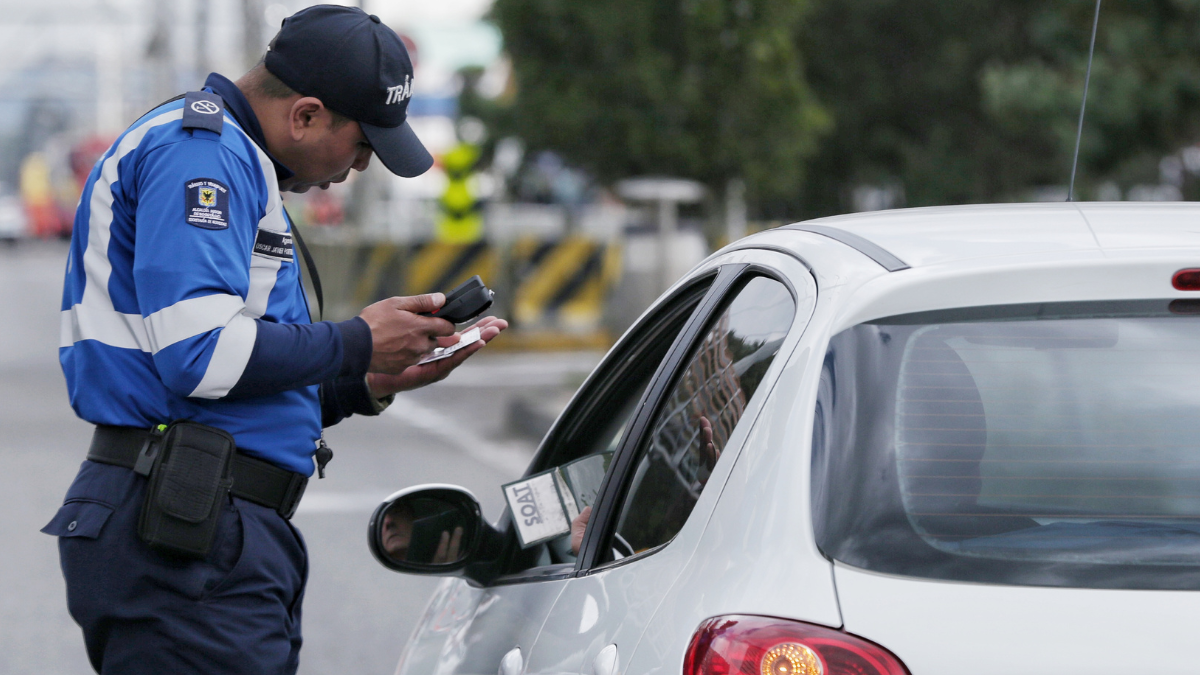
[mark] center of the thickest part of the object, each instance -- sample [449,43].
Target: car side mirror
[431,529]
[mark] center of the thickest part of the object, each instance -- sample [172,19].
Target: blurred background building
[590,152]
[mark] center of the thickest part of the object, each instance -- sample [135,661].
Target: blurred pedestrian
[186,339]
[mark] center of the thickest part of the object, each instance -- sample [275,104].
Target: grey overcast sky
[51,49]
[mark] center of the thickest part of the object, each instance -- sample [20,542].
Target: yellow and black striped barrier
[391,269]
[562,284]
[438,266]
[381,261]
[553,292]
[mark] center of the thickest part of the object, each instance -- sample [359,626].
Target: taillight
[756,645]
[1186,280]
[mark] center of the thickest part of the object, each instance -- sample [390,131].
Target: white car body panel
[932,236]
[761,523]
[1119,276]
[928,237]
[1127,225]
[945,628]
[467,630]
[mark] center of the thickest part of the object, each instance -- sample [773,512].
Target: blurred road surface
[357,615]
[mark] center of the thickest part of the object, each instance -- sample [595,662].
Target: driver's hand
[448,547]
[708,451]
[578,527]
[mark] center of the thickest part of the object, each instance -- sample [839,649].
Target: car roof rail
[868,248]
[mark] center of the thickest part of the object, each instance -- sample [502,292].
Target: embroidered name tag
[277,245]
[207,203]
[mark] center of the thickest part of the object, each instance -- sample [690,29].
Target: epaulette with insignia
[202,110]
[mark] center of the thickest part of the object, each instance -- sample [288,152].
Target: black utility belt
[252,479]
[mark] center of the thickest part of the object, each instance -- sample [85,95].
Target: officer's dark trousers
[143,612]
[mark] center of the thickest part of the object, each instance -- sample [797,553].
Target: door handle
[607,662]
[512,663]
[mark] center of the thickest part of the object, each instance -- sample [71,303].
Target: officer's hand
[400,337]
[418,376]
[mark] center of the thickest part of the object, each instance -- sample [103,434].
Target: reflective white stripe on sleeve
[96,264]
[94,318]
[106,326]
[229,358]
[191,317]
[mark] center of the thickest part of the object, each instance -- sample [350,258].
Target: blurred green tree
[706,89]
[962,101]
[1144,101]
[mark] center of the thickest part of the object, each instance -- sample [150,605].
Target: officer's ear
[306,115]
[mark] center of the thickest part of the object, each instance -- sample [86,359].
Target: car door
[482,629]
[664,481]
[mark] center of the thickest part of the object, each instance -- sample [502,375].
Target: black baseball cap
[359,68]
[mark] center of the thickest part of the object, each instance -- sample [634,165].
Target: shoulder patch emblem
[203,110]
[207,203]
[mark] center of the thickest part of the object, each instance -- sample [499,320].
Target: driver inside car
[401,528]
[709,454]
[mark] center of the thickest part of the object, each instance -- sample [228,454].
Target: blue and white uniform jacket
[183,297]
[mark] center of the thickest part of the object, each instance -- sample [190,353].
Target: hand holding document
[545,504]
[440,353]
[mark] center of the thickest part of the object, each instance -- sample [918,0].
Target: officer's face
[327,155]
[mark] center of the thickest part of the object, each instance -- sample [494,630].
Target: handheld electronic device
[465,302]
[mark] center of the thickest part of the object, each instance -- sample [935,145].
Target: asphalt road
[357,615]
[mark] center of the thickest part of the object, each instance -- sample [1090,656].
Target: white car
[947,441]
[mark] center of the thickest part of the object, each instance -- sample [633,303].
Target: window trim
[615,488]
[541,573]
[883,257]
[601,381]
[596,388]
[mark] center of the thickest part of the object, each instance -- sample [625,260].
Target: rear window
[1053,445]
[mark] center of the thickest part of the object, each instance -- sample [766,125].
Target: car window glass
[698,416]
[1043,445]
[596,423]
[603,443]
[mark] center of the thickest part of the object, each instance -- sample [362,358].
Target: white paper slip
[440,353]
[537,509]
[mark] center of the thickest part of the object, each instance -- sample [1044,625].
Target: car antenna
[1083,105]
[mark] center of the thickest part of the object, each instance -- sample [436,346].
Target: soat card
[440,353]
[537,508]
[544,505]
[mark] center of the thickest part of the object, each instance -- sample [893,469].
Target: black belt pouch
[189,483]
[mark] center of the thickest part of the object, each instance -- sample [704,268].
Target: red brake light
[756,645]
[1186,280]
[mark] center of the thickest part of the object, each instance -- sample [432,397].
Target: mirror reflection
[425,530]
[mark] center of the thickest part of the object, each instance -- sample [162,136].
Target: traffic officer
[183,302]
